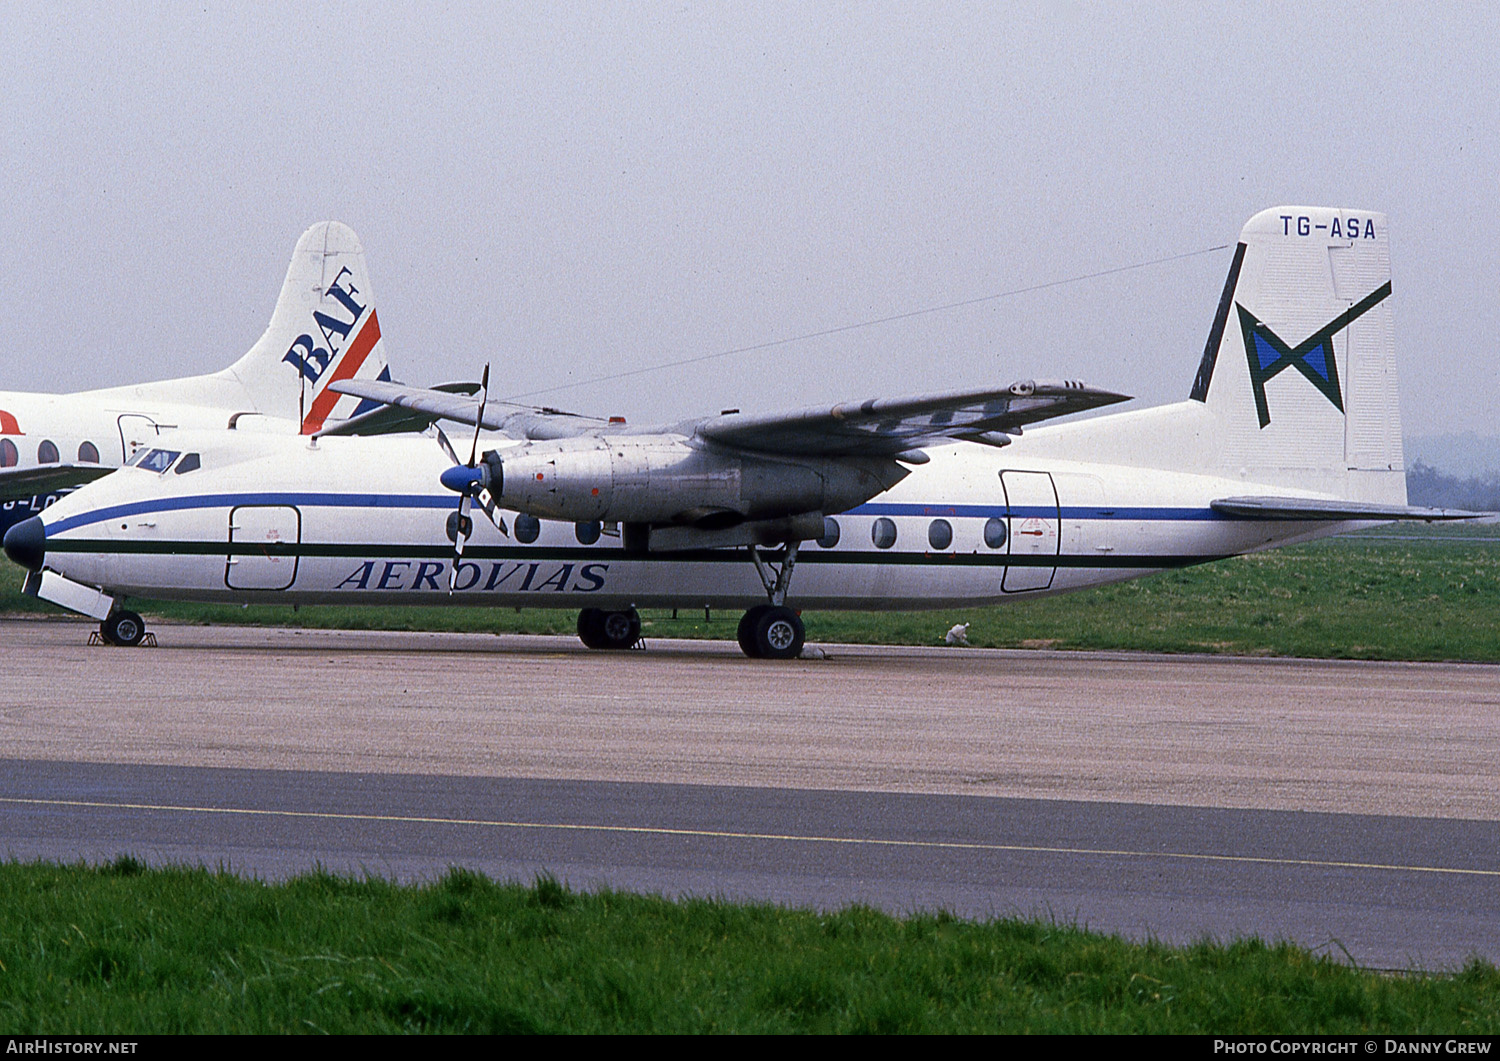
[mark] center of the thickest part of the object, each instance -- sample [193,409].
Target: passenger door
[1035,530]
[263,542]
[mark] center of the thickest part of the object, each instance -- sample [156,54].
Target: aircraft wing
[392,417]
[879,427]
[522,421]
[1312,508]
[891,426]
[28,482]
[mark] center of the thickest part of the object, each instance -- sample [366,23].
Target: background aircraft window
[158,460]
[830,533]
[46,453]
[587,533]
[9,456]
[940,534]
[994,532]
[527,528]
[191,463]
[88,453]
[883,533]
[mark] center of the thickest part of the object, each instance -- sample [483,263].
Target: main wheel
[591,628]
[779,634]
[622,629]
[123,628]
[746,633]
[601,629]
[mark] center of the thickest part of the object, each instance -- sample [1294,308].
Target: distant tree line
[1427,486]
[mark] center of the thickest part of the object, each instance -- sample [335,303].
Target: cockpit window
[158,460]
[136,457]
[189,463]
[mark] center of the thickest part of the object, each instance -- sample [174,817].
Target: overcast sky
[576,190]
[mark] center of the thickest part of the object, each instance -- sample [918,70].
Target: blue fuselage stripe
[443,501]
[876,508]
[308,500]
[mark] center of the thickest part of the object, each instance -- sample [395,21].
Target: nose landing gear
[123,628]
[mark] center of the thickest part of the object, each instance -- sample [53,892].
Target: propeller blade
[461,533]
[467,480]
[487,504]
[484,397]
[447,446]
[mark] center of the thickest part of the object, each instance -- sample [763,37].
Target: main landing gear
[601,629]
[773,631]
[767,631]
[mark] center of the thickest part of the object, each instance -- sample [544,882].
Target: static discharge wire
[865,324]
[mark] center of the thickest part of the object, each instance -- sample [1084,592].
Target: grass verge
[1433,596]
[126,949]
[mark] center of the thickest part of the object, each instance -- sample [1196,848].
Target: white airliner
[324,328]
[1291,432]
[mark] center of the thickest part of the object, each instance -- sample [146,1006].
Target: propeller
[485,498]
[469,481]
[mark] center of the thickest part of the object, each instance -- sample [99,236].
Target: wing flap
[888,426]
[1315,508]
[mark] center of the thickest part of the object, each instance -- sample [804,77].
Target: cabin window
[190,463]
[994,532]
[158,460]
[586,532]
[46,453]
[88,453]
[940,534]
[528,529]
[830,533]
[883,533]
[9,455]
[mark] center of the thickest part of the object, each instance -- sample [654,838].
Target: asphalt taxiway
[1343,805]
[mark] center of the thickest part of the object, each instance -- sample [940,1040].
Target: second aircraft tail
[324,328]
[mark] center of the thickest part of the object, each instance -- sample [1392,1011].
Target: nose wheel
[123,628]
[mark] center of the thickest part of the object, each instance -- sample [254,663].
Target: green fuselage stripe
[344,550]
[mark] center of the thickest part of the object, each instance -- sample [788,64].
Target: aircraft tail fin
[1299,372]
[324,328]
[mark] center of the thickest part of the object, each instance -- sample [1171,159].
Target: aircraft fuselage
[974,526]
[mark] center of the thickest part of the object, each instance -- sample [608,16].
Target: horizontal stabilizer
[17,483]
[1316,508]
[889,426]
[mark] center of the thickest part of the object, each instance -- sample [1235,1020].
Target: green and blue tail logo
[1313,357]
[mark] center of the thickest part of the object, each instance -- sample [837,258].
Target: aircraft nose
[26,543]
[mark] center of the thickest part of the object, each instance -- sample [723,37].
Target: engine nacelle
[662,479]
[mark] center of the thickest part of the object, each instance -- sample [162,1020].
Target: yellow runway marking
[720,834]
